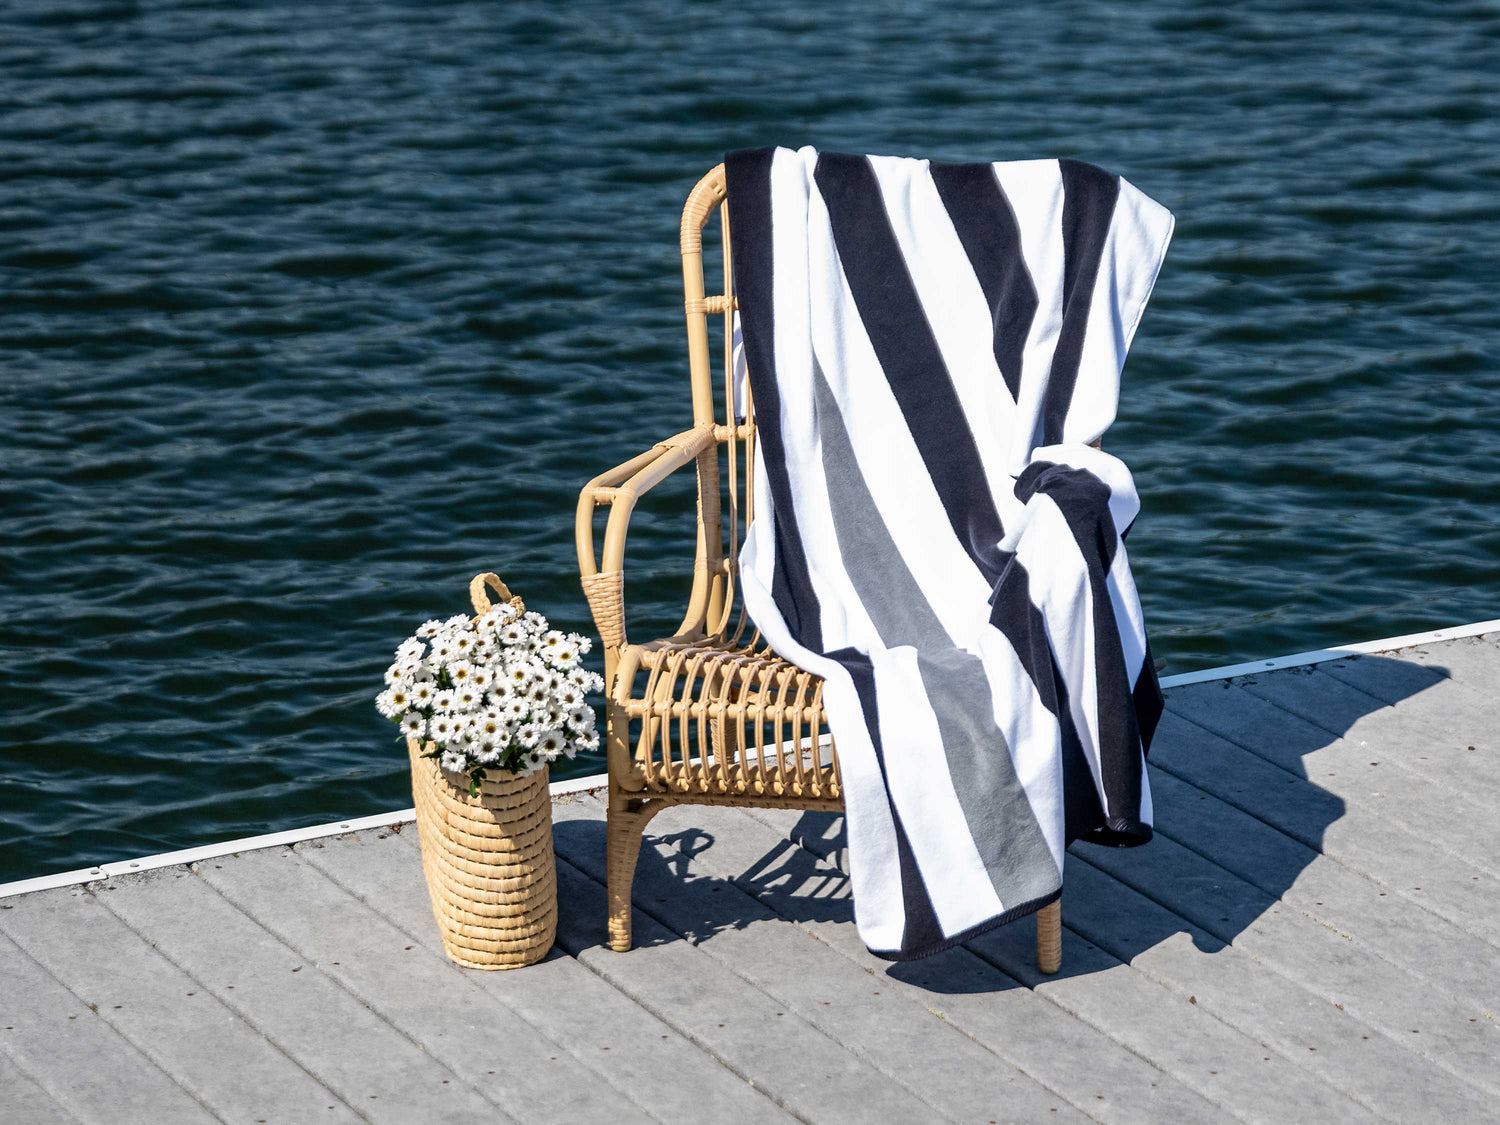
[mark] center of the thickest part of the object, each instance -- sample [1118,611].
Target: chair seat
[716,722]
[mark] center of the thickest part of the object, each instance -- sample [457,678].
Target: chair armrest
[619,489]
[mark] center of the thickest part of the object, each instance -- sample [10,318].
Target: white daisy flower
[443,700]
[535,759]
[563,656]
[466,697]
[384,705]
[487,751]
[488,621]
[580,718]
[567,695]
[479,677]
[516,710]
[463,643]
[539,692]
[502,691]
[551,742]
[456,622]
[393,674]
[442,652]
[400,698]
[552,638]
[414,725]
[491,724]
[581,643]
[529,735]
[513,634]
[441,729]
[423,693]
[453,761]
[459,672]
[585,743]
[430,629]
[534,622]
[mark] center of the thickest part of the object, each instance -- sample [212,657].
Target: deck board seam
[1394,888]
[1373,951]
[1394,760]
[542,1034]
[1190,925]
[130,1042]
[360,999]
[1406,1045]
[856,1050]
[40,1083]
[642,1003]
[235,1008]
[1153,1064]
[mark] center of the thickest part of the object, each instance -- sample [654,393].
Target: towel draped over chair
[932,349]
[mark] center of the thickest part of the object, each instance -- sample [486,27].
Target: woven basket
[488,858]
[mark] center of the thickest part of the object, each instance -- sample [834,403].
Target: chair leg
[1049,938]
[622,849]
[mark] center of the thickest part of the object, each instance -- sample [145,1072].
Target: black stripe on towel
[1083,500]
[922,930]
[892,315]
[1017,618]
[747,179]
[991,238]
[1089,196]
[1148,701]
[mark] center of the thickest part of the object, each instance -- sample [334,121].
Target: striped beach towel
[931,349]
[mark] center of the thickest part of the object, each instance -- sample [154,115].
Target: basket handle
[481,599]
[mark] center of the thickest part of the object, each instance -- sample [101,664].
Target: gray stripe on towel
[1017,857]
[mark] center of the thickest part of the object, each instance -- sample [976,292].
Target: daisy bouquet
[502,691]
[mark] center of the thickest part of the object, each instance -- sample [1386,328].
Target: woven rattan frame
[709,715]
[488,858]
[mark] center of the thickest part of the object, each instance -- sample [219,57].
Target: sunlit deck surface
[1314,935]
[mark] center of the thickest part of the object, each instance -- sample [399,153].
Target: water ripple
[311,312]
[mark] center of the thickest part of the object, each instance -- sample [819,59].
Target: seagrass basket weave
[488,858]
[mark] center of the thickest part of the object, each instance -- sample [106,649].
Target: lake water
[310,312]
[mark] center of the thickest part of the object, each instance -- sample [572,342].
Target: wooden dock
[1314,935]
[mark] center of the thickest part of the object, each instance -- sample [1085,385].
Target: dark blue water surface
[308,312]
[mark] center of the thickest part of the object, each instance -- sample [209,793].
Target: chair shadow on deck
[1231,839]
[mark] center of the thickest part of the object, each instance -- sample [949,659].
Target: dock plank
[800,1068]
[25,1101]
[570,1004]
[1449,1035]
[809,887]
[326,1029]
[1330,893]
[1426,876]
[1427,742]
[166,1014]
[931,1059]
[1383,1073]
[82,1063]
[1456,720]
[1368,776]
[428,999]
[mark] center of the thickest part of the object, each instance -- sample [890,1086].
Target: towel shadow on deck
[802,879]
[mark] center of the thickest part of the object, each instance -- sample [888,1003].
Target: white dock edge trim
[1319,655]
[251,843]
[600,780]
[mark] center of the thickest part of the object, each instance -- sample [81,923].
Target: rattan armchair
[709,715]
